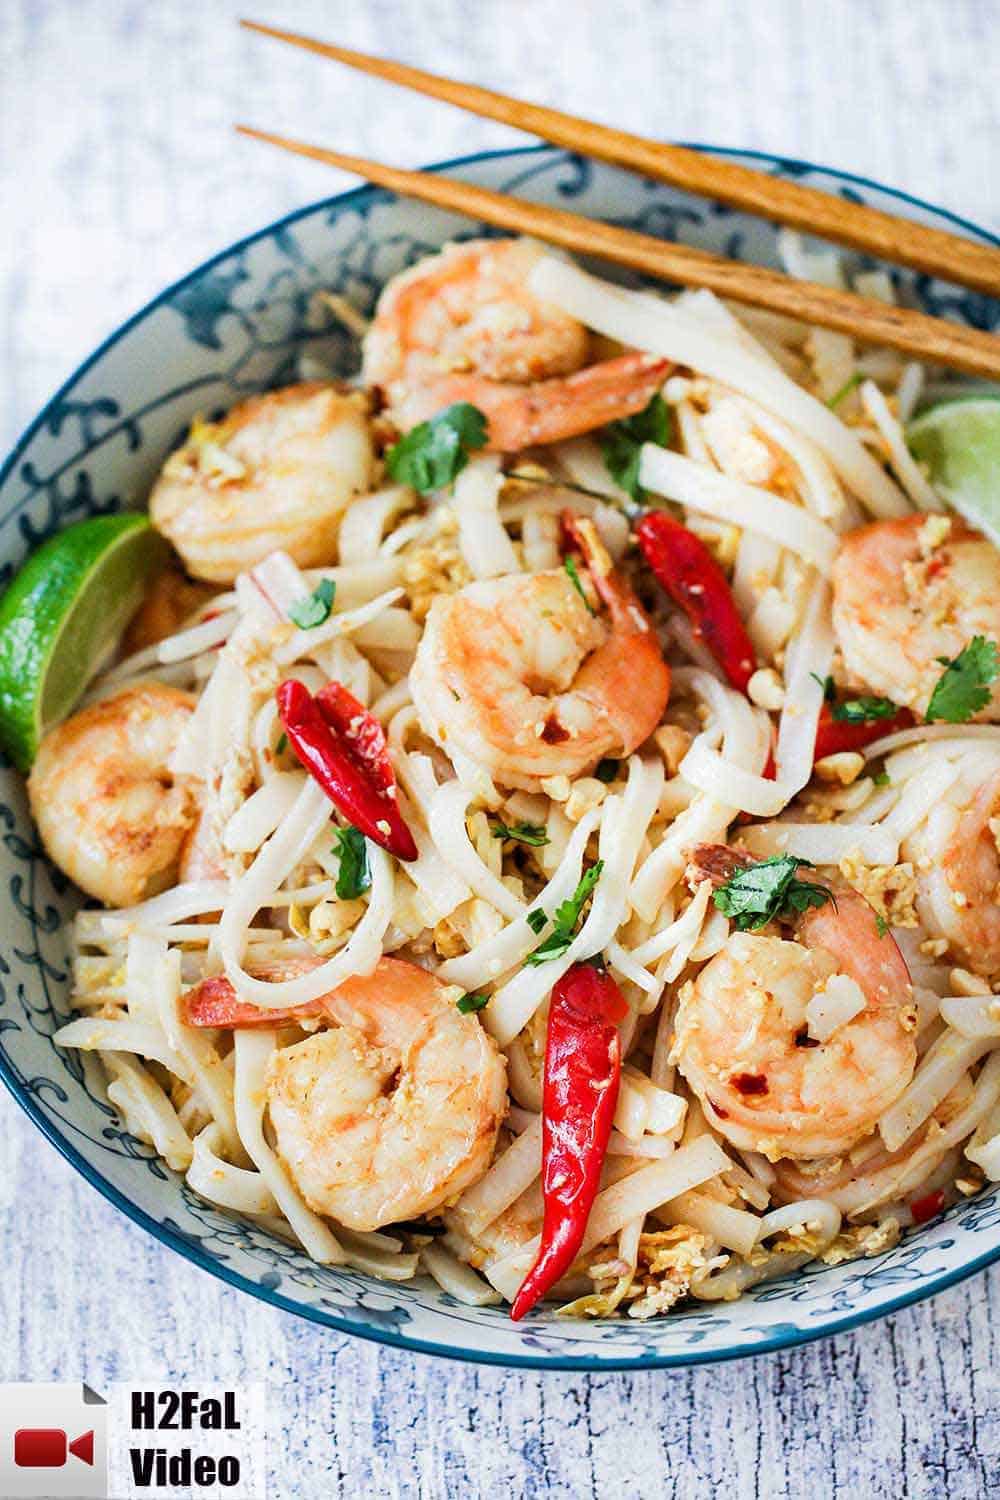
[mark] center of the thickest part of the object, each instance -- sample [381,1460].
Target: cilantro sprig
[315,608]
[431,454]
[354,875]
[522,833]
[763,892]
[565,919]
[964,686]
[622,442]
[861,710]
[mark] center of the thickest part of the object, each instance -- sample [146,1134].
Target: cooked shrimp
[522,675]
[277,472]
[393,1110]
[908,592]
[958,876]
[463,326]
[742,1042]
[170,601]
[107,808]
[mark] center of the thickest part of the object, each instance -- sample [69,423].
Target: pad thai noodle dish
[541,821]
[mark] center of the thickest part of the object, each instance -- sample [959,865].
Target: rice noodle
[654,326]
[146,1111]
[973,1016]
[623,828]
[740,504]
[274,861]
[364,522]
[823,843]
[446,821]
[235,1188]
[511,1174]
[457,1279]
[908,471]
[485,544]
[732,1227]
[941,1068]
[254,1050]
[805,673]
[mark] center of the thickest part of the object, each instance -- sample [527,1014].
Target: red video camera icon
[48,1448]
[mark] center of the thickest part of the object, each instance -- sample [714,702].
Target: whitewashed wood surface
[118,173]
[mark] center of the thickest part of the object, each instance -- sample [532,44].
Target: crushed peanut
[673,743]
[890,889]
[766,689]
[844,767]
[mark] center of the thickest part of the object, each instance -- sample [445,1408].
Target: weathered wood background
[117,174]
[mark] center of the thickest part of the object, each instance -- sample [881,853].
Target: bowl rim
[192,1251]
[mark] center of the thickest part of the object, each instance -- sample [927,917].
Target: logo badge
[53,1442]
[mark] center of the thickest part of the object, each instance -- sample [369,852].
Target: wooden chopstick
[901,241]
[929,339]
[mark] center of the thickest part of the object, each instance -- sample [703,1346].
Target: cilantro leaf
[761,892]
[607,770]
[881,925]
[854,710]
[567,915]
[622,442]
[521,833]
[430,455]
[314,610]
[863,710]
[963,687]
[354,876]
[569,563]
[469,1004]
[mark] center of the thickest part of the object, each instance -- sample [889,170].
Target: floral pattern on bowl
[236,325]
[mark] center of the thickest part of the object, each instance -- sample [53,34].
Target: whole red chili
[927,1207]
[582,1074]
[695,582]
[343,748]
[834,735]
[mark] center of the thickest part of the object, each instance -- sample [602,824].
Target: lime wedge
[61,615]
[959,441]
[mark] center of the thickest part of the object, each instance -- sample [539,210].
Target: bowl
[236,325]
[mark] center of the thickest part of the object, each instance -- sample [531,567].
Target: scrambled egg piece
[668,1261]
[862,1240]
[437,568]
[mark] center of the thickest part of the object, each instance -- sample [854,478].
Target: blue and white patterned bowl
[234,326]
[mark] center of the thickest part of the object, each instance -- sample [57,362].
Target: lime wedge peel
[959,444]
[61,615]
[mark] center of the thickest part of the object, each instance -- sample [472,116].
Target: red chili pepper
[343,748]
[696,583]
[834,735]
[582,1072]
[926,1208]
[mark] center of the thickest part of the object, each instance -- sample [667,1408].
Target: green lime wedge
[60,617]
[959,441]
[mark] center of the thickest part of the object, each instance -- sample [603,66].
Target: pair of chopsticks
[856,225]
